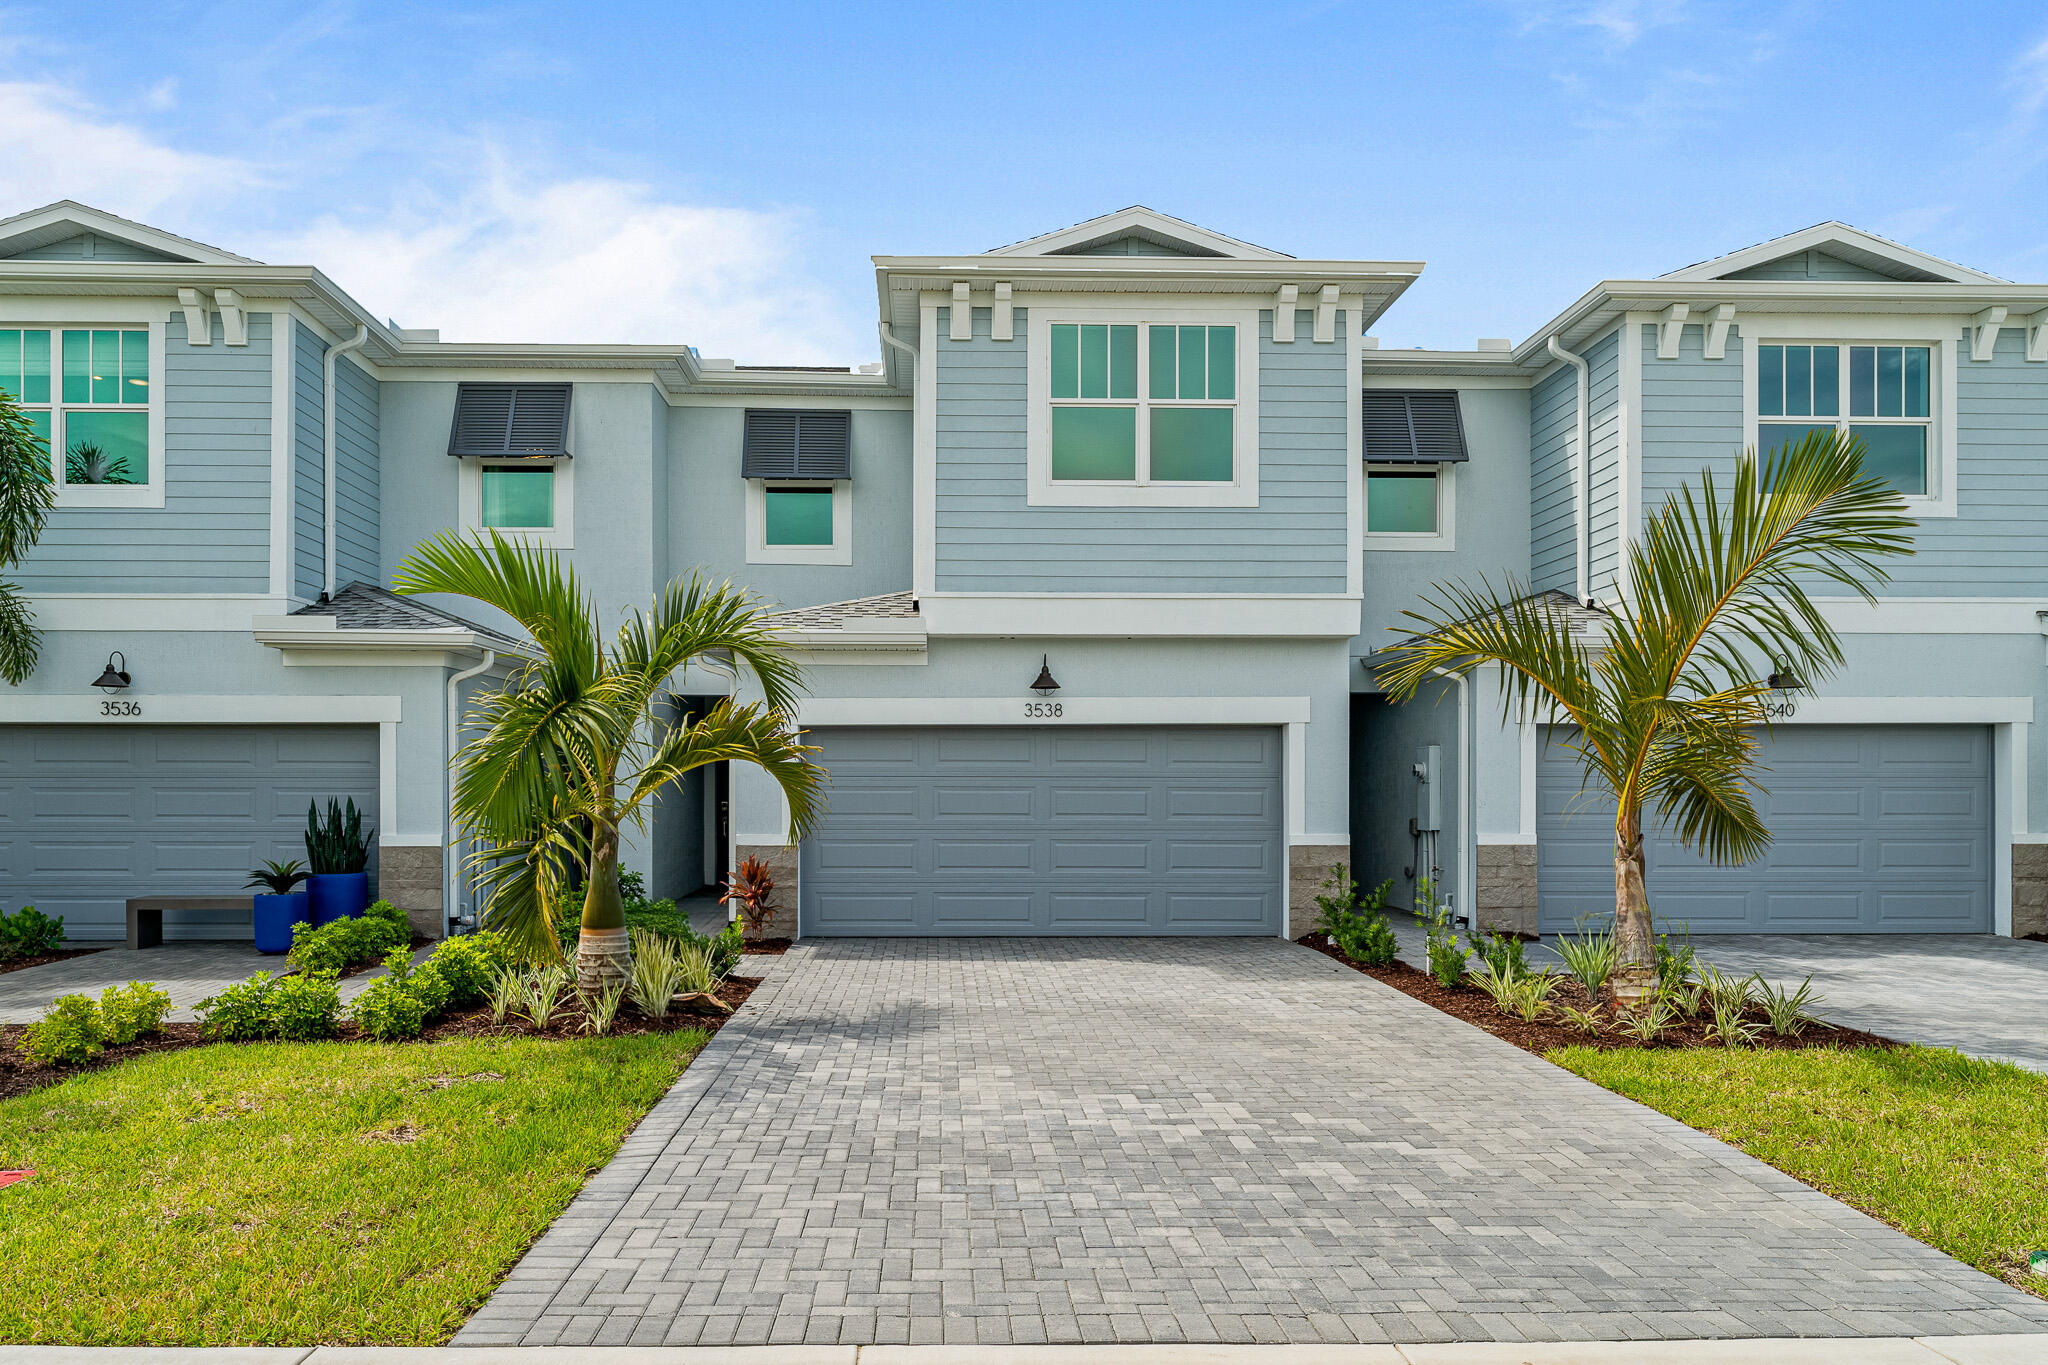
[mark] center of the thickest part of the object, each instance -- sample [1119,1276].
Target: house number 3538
[120,708]
[1042,710]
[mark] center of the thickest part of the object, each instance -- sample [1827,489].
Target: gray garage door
[91,815]
[1047,831]
[1875,829]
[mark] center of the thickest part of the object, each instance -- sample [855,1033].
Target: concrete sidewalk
[1979,1350]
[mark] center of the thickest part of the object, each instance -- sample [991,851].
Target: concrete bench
[146,914]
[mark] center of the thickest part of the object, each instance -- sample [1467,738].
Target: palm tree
[573,749]
[26,496]
[1665,711]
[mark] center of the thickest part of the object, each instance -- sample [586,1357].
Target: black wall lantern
[114,679]
[1785,686]
[1045,684]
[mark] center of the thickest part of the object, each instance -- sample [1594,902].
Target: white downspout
[450,866]
[889,335]
[1581,459]
[327,445]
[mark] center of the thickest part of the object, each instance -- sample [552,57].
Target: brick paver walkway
[1178,1140]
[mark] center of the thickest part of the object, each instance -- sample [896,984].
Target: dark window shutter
[511,421]
[783,443]
[1422,426]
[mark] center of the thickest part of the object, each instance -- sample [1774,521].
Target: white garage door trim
[2008,717]
[1291,714]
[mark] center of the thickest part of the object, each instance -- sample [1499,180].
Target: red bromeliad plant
[751,889]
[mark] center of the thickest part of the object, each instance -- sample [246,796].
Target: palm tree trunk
[604,954]
[1635,946]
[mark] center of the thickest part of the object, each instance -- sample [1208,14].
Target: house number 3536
[1043,710]
[120,708]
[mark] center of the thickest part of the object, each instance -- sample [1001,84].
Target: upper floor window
[528,491]
[798,464]
[87,394]
[1414,441]
[1143,411]
[518,496]
[1169,419]
[1880,394]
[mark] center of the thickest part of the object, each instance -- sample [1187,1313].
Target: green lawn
[1951,1150]
[333,1193]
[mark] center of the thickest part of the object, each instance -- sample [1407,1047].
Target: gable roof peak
[1846,241]
[1176,236]
[67,218]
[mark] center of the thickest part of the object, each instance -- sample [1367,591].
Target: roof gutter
[335,351]
[1581,539]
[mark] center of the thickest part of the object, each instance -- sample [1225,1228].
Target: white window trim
[1942,334]
[759,551]
[469,494]
[150,494]
[1445,537]
[1041,490]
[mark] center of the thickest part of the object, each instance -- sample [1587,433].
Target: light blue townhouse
[1087,573]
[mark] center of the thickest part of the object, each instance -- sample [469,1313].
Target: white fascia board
[1603,305]
[291,632]
[68,218]
[816,712]
[1190,616]
[173,709]
[1137,219]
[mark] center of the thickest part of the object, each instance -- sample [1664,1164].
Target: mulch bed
[769,945]
[16,964]
[1472,1005]
[18,1076]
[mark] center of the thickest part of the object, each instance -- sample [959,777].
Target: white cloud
[56,145]
[512,258]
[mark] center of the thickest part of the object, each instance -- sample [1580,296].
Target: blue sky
[719,175]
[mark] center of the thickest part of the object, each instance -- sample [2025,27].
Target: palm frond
[746,733]
[530,584]
[20,641]
[696,619]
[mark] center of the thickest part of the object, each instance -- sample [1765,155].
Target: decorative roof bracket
[1717,331]
[1283,312]
[234,319]
[2037,336]
[963,312]
[1984,329]
[1326,314]
[1001,323]
[1670,330]
[198,319]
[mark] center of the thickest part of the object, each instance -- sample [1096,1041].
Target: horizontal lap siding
[1692,413]
[1993,547]
[1810,265]
[212,535]
[356,556]
[1997,543]
[309,487]
[1553,558]
[1603,565]
[988,539]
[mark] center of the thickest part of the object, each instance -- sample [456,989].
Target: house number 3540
[120,708]
[1043,710]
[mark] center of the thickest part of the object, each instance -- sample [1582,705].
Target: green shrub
[349,943]
[1589,957]
[469,965]
[70,1031]
[303,1008]
[1499,950]
[1447,956]
[128,1012]
[1367,939]
[239,1014]
[398,1004]
[28,932]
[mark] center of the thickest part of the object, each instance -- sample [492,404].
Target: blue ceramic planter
[338,895]
[275,916]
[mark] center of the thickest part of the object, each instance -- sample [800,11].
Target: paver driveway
[1167,1140]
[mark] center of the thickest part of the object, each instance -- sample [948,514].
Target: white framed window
[1411,506]
[91,393]
[528,499]
[799,521]
[1892,390]
[1157,408]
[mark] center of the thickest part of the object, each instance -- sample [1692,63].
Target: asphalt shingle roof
[363,606]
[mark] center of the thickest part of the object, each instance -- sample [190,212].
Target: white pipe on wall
[1581,471]
[335,351]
